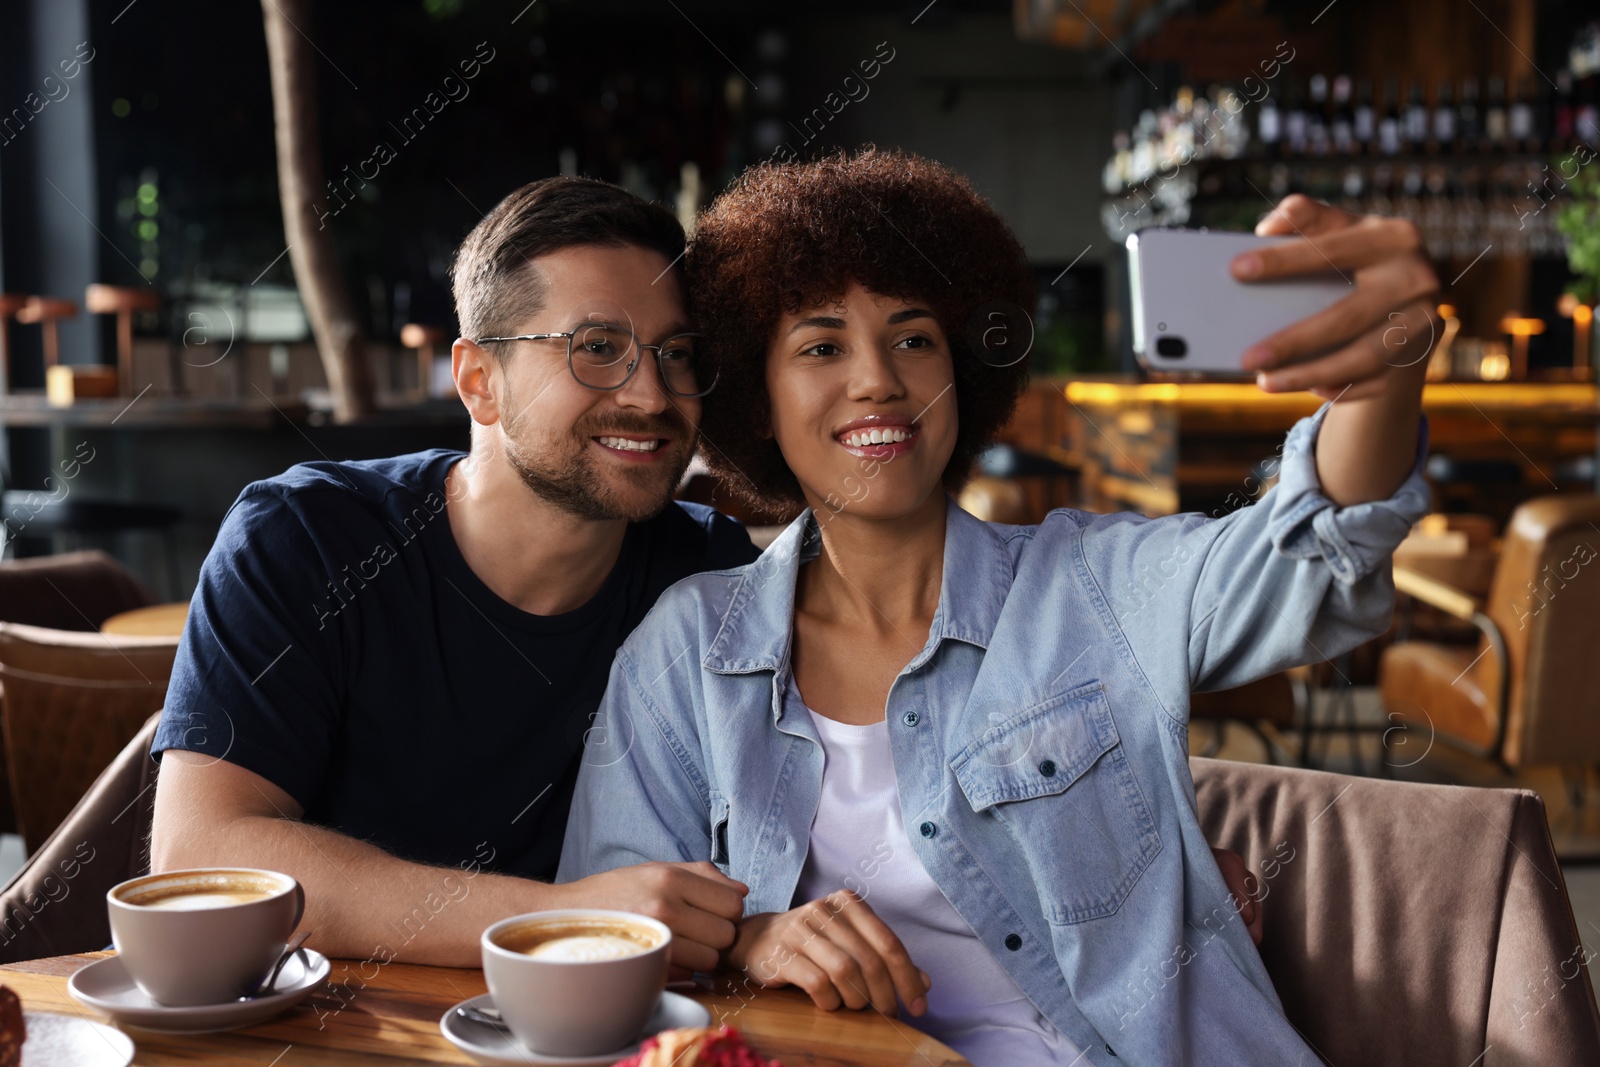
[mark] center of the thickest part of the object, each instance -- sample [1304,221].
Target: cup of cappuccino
[580,982]
[203,936]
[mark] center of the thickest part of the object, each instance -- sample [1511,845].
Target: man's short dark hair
[495,289]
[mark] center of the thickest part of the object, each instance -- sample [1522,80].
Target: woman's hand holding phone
[1384,329]
[837,950]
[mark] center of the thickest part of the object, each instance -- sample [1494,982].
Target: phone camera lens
[1172,347]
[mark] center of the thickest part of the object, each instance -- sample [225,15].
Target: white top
[858,842]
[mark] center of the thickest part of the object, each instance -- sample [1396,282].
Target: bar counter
[1164,447]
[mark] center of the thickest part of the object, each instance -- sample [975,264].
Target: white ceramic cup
[558,1007]
[203,936]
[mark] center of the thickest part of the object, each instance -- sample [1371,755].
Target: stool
[422,338]
[10,304]
[46,311]
[115,300]
[24,514]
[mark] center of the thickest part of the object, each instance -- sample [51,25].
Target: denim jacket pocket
[1055,775]
[720,811]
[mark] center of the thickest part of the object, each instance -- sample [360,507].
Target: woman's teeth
[628,445]
[861,438]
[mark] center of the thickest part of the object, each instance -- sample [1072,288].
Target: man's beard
[577,483]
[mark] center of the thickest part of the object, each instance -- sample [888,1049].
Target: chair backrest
[73,700]
[71,591]
[1546,601]
[56,904]
[1408,923]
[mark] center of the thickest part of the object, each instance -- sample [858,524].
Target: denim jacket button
[911,718]
[1013,942]
[1048,768]
[928,829]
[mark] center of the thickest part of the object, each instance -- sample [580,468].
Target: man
[390,666]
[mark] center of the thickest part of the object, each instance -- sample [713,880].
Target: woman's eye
[821,348]
[915,341]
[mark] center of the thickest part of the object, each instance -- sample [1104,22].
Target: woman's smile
[878,436]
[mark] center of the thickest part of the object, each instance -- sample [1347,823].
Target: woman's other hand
[837,950]
[1243,887]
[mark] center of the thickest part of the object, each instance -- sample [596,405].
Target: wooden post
[340,342]
[10,304]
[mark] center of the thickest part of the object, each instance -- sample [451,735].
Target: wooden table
[394,1018]
[157,620]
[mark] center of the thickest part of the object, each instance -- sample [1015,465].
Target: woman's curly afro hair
[789,236]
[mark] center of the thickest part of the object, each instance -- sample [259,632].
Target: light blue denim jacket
[1039,742]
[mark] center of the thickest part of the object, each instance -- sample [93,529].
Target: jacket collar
[757,627]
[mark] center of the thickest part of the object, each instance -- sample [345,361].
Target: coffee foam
[586,948]
[200,898]
[579,940]
[190,895]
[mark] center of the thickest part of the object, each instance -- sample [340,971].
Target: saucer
[106,986]
[56,1038]
[491,1045]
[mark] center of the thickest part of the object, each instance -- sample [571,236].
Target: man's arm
[363,903]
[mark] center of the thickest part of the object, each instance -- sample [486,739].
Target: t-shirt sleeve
[258,676]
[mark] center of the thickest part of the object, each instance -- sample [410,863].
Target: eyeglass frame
[632,366]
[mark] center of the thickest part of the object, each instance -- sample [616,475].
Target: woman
[950,759]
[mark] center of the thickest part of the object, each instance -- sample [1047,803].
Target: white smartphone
[1191,316]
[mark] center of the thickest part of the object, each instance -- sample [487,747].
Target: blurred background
[137,153]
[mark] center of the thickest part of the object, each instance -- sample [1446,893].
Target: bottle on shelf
[1469,121]
[1521,126]
[1269,123]
[1586,116]
[1390,125]
[1496,120]
[1341,126]
[1181,137]
[1144,148]
[1444,119]
[1295,120]
[1365,123]
[1115,177]
[1416,120]
[1563,115]
[1317,116]
[1234,137]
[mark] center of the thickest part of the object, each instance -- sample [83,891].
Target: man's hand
[697,902]
[1239,879]
[837,950]
[1384,326]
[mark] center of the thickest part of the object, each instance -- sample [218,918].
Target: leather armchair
[1408,923]
[1525,693]
[73,700]
[56,904]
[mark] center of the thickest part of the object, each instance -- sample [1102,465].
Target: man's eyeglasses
[604,356]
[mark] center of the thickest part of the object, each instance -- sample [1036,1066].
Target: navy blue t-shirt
[339,646]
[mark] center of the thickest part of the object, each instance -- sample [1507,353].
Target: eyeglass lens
[602,353]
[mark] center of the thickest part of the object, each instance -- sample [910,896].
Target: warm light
[1447,311]
[1494,367]
[1568,305]
[1521,327]
[1583,314]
